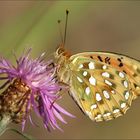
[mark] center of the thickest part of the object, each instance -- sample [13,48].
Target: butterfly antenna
[65,32]
[60,31]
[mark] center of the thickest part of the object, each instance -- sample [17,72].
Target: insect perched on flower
[102,84]
[30,84]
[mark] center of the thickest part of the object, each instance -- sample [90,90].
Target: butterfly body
[102,84]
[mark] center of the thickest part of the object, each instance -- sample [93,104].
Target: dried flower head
[32,83]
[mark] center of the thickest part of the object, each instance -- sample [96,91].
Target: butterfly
[103,84]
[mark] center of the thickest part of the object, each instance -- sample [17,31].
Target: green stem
[5,120]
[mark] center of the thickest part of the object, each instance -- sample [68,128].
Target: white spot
[106,74]
[79,79]
[104,67]
[98,97]
[121,75]
[123,105]
[108,82]
[91,65]
[85,73]
[94,106]
[108,114]
[125,83]
[127,95]
[98,116]
[105,115]
[81,66]
[106,94]
[92,80]
[112,91]
[87,90]
[116,110]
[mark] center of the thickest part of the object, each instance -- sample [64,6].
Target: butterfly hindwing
[103,84]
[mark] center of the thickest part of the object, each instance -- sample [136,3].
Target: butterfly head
[61,52]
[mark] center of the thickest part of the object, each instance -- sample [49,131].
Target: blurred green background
[93,26]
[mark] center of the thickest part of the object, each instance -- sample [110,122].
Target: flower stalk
[4,122]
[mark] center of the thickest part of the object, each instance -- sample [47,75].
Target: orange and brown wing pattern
[104,84]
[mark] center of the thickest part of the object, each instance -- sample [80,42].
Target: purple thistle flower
[32,83]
